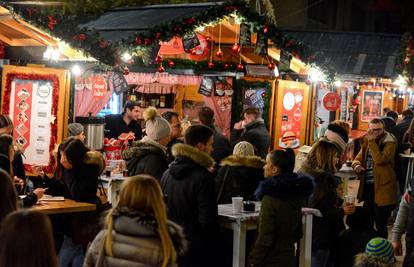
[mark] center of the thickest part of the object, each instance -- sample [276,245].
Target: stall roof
[122,22]
[351,53]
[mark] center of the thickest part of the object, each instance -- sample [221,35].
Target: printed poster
[31,111]
[254,98]
[290,126]
[372,102]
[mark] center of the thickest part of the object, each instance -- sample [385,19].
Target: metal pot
[94,128]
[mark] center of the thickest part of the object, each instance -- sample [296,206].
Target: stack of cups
[349,200]
[237,204]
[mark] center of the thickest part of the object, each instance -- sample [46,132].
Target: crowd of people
[167,210]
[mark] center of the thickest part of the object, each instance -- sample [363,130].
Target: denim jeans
[70,254]
[320,258]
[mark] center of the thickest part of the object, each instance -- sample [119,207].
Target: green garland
[405,60]
[66,26]
[243,84]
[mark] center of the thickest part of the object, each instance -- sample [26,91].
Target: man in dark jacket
[253,130]
[117,124]
[221,146]
[189,188]
[176,131]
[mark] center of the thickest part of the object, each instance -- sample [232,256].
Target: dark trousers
[377,215]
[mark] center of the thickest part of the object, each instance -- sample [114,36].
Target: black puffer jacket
[239,176]
[256,134]
[189,187]
[146,157]
[325,229]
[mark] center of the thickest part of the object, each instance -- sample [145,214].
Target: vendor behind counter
[117,124]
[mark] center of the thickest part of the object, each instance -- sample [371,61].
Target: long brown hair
[143,193]
[8,196]
[324,156]
[20,235]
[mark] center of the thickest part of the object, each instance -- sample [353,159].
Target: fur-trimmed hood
[143,148]
[243,161]
[197,156]
[134,223]
[95,158]
[284,186]
[363,259]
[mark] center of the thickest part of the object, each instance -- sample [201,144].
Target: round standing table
[410,169]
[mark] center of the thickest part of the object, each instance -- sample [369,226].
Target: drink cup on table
[407,151]
[237,204]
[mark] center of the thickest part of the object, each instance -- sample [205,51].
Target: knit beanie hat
[380,247]
[156,127]
[338,136]
[75,129]
[243,148]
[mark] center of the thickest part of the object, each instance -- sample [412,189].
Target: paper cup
[237,204]
[407,151]
[349,199]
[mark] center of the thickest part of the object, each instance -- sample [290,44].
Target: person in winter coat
[80,170]
[137,232]
[188,185]
[283,194]
[240,174]
[375,166]
[378,253]
[27,240]
[8,196]
[149,156]
[321,164]
[252,129]
[221,145]
[7,152]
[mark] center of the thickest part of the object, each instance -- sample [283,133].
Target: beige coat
[385,183]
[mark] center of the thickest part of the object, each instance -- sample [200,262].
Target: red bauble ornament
[147,41]
[193,52]
[158,35]
[190,21]
[158,60]
[171,64]
[240,67]
[263,94]
[271,66]
[161,69]
[236,48]
[210,65]
[219,53]
[126,71]
[209,39]
[226,66]
[138,40]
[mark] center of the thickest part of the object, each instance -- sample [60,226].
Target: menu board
[291,114]
[371,105]
[37,101]
[31,112]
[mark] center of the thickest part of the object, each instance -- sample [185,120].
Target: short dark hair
[283,159]
[168,115]
[206,116]
[252,111]
[386,110]
[377,121]
[196,134]
[392,114]
[407,113]
[130,105]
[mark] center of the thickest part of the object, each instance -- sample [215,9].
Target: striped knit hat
[380,247]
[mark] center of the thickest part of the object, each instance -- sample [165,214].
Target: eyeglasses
[376,130]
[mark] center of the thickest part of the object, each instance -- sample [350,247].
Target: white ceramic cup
[237,204]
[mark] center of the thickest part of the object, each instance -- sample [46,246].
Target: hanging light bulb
[126,57]
[76,70]
[338,83]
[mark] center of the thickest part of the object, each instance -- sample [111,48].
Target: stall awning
[350,53]
[124,22]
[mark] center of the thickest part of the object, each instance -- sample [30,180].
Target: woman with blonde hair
[137,229]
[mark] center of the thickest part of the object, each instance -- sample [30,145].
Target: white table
[113,185]
[410,168]
[241,222]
